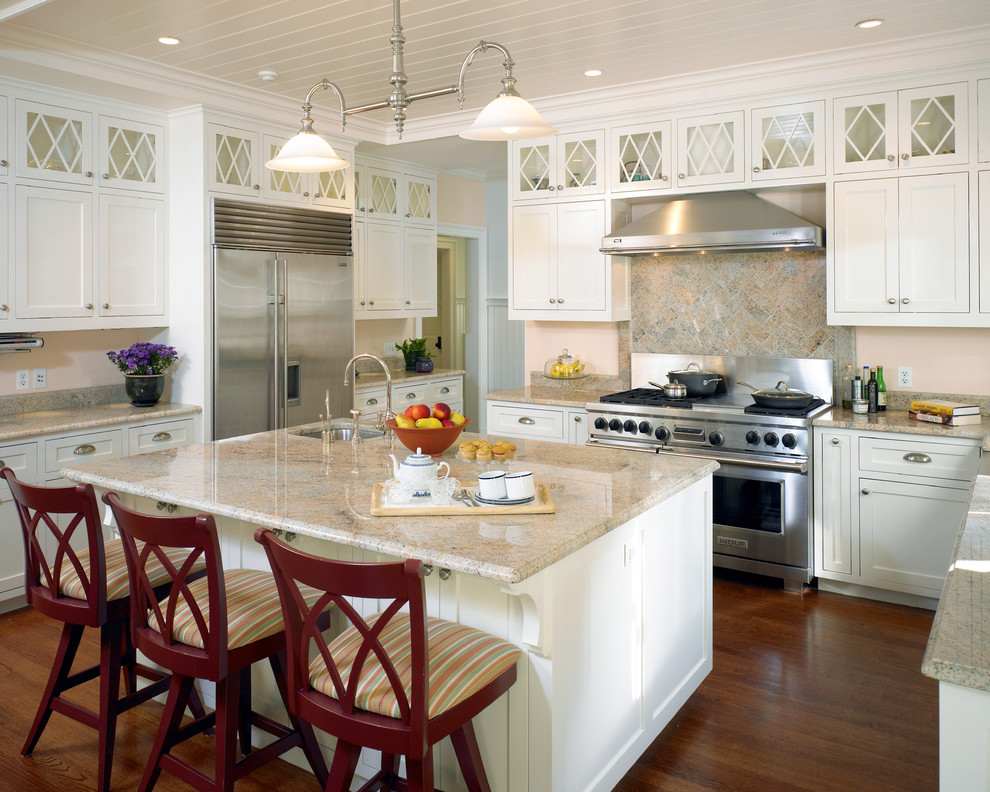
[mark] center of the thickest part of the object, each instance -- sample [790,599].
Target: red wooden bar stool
[214,628]
[82,588]
[397,681]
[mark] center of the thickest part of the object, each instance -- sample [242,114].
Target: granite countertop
[898,421]
[556,396]
[18,426]
[376,379]
[959,645]
[283,480]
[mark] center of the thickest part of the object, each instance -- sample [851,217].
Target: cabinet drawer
[156,437]
[447,391]
[526,421]
[370,401]
[406,395]
[63,452]
[919,458]
[23,460]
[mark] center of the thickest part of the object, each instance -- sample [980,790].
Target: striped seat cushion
[462,660]
[118,586]
[253,609]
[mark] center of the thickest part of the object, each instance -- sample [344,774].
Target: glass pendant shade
[307,152]
[508,118]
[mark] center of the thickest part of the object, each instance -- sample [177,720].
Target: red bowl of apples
[437,431]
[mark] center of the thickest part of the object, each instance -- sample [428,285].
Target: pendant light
[507,117]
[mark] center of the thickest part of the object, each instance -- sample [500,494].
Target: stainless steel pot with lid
[697,382]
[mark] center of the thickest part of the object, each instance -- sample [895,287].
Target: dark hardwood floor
[810,693]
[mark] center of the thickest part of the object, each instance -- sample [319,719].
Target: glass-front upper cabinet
[565,166]
[331,188]
[4,153]
[54,143]
[421,199]
[131,155]
[283,185]
[901,129]
[382,197]
[532,163]
[234,166]
[710,149]
[640,157]
[788,141]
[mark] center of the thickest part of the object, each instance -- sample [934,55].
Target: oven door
[761,515]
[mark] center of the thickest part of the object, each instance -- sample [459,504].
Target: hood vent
[716,223]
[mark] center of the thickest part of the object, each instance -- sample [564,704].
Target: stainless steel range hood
[716,223]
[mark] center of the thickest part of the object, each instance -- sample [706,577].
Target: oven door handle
[722,459]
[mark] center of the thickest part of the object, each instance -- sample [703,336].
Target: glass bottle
[881,391]
[845,387]
[871,392]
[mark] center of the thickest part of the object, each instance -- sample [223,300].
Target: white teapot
[417,471]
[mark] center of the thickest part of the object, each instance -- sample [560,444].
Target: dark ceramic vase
[144,390]
[424,365]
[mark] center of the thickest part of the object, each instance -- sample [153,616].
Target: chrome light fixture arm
[508,82]
[307,119]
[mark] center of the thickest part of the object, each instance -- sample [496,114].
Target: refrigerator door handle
[282,333]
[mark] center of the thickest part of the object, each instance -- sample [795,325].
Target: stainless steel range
[762,496]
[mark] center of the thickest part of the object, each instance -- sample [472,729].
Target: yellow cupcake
[468,450]
[484,455]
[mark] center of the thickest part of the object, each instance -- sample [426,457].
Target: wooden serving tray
[541,504]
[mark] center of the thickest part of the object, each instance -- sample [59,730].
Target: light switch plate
[388,348]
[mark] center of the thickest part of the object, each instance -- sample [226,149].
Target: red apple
[417,411]
[441,411]
[448,422]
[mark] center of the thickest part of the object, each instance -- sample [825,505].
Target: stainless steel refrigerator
[283,320]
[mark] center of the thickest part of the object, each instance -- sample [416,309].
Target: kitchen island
[610,597]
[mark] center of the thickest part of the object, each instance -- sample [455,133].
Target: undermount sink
[341,433]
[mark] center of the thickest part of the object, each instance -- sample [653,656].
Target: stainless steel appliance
[283,316]
[762,495]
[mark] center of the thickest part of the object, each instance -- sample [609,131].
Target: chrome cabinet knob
[553,301]
[577,419]
[4,307]
[306,195]
[905,300]
[408,215]
[891,158]
[892,301]
[88,174]
[756,169]
[371,302]
[106,175]
[560,301]
[444,573]
[865,491]
[680,176]
[89,306]
[408,302]
[905,157]
[4,163]
[835,441]
[427,569]
[318,195]
[362,302]
[663,178]
[106,306]
[255,186]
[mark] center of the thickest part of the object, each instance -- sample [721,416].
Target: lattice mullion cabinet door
[234,160]
[420,193]
[788,141]
[710,149]
[933,126]
[579,164]
[335,188]
[5,154]
[54,143]
[132,155]
[639,157]
[132,256]
[864,133]
[282,185]
[532,173]
[382,191]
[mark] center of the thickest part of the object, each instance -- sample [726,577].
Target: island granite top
[18,426]
[897,421]
[959,644]
[283,480]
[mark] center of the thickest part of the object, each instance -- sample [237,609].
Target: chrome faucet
[388,379]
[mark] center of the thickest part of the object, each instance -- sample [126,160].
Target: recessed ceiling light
[593,73]
[169,40]
[869,23]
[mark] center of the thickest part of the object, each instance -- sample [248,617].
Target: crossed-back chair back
[39,509]
[399,588]
[147,538]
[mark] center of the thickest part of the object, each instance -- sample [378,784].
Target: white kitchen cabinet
[419,194]
[234,160]
[370,400]
[381,264]
[53,143]
[161,436]
[983,120]
[132,256]
[559,167]
[788,141]
[640,157]
[5,155]
[984,232]
[53,260]
[5,296]
[577,426]
[710,149]
[282,185]
[406,394]
[450,391]
[22,458]
[334,188]
[419,268]
[381,192]
[912,128]
[395,270]
[887,510]
[901,247]
[538,422]
[557,272]
[132,155]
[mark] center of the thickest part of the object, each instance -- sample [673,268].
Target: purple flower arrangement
[144,359]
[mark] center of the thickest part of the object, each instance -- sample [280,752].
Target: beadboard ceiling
[552,41]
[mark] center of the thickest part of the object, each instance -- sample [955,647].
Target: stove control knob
[716,438]
[661,433]
[789,441]
[644,427]
[629,425]
[615,425]
[600,423]
[770,438]
[752,437]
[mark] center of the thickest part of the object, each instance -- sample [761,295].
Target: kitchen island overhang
[610,597]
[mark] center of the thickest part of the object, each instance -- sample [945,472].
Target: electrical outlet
[23,379]
[388,348]
[40,378]
[904,378]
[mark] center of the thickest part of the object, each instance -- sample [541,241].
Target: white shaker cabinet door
[984,199]
[5,296]
[533,270]
[5,154]
[983,122]
[54,253]
[865,248]
[132,256]
[581,268]
[420,271]
[834,457]
[383,281]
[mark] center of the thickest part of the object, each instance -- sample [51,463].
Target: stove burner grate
[803,412]
[651,397]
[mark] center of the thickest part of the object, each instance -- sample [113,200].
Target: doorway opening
[445,332]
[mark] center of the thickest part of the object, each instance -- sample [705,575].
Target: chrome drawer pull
[3,463]
[372,401]
[917,458]
[527,421]
[161,437]
[445,390]
[410,395]
[84,449]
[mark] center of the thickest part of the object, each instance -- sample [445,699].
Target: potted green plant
[412,350]
[144,365]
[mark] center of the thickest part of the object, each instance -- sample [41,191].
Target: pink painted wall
[597,344]
[460,200]
[371,334]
